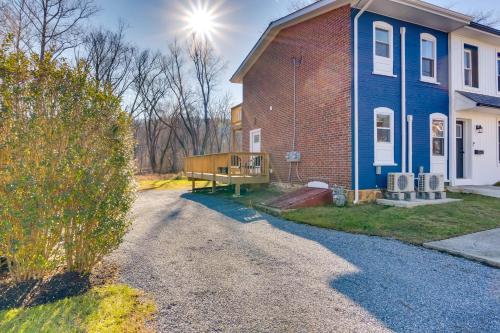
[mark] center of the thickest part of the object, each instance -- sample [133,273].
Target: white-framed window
[438,137]
[384,136]
[383,48]
[428,56]
[471,66]
[438,128]
[498,72]
[498,140]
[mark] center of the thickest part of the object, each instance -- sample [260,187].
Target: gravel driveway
[215,266]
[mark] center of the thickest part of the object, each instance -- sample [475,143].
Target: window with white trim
[384,136]
[498,72]
[438,137]
[428,64]
[471,66]
[498,141]
[382,48]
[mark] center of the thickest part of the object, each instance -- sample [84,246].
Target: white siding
[487,65]
[479,169]
[485,169]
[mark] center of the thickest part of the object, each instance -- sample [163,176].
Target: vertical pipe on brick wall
[403,99]
[356,101]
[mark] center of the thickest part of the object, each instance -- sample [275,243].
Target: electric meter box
[293,156]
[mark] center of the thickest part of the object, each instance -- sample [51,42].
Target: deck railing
[230,164]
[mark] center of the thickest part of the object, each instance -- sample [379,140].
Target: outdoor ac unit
[430,182]
[400,182]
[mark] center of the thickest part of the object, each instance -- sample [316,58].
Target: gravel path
[215,266]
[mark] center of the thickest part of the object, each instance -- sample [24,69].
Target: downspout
[403,99]
[410,143]
[356,102]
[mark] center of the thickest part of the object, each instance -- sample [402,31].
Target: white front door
[255,141]
[439,144]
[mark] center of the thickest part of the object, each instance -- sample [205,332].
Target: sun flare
[201,22]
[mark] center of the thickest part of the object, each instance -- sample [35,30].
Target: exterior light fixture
[479,128]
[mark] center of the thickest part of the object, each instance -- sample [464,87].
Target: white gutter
[410,143]
[356,101]
[403,99]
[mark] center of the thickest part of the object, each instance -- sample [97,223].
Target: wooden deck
[229,168]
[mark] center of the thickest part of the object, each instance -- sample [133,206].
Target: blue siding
[376,91]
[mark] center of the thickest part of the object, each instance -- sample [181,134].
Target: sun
[202,21]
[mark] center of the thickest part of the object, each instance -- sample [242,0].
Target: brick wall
[323,99]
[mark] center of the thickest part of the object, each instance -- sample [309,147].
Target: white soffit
[479,35]
[419,12]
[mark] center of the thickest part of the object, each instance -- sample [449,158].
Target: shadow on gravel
[406,287]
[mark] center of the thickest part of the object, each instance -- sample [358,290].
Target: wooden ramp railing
[229,168]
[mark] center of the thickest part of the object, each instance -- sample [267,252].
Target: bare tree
[54,24]
[176,76]
[13,21]
[486,17]
[150,87]
[110,59]
[220,117]
[207,67]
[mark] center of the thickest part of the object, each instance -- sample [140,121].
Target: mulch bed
[52,288]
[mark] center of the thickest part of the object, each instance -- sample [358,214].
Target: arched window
[428,58]
[383,48]
[384,136]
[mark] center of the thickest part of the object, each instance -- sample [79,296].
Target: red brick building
[320,50]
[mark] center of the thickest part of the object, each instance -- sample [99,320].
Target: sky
[238,24]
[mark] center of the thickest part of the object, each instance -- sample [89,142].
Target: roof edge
[306,13]
[319,8]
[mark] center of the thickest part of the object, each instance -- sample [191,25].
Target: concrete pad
[488,191]
[482,246]
[415,203]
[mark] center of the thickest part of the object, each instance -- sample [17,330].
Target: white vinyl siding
[487,65]
[383,49]
[384,136]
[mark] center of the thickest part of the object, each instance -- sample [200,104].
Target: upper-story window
[498,72]
[428,56]
[382,48]
[471,66]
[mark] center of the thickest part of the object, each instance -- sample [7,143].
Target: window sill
[383,164]
[430,81]
[471,89]
[384,74]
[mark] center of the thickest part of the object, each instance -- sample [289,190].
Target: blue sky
[155,23]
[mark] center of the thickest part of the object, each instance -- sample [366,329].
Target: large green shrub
[66,177]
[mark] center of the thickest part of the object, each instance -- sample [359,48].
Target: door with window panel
[439,142]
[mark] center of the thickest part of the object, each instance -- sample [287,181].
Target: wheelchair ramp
[302,198]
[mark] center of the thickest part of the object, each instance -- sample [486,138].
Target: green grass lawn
[169,183]
[417,225]
[111,308]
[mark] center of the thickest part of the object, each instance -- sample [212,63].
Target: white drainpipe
[410,143]
[356,102]
[403,99]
